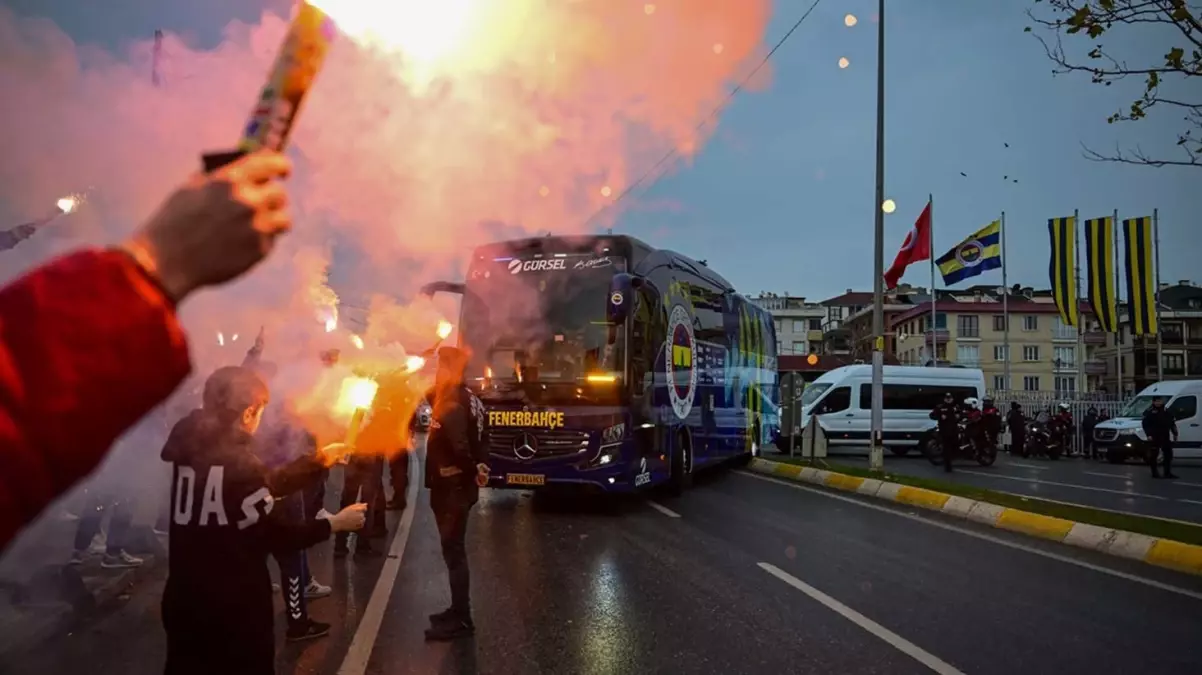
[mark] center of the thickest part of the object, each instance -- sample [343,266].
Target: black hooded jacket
[457,441]
[222,529]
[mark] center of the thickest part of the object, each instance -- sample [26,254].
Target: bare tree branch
[1179,68]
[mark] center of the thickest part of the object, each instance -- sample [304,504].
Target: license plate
[526,479]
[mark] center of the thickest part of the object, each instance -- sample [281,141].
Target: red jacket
[88,345]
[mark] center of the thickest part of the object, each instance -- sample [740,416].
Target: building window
[1066,385]
[968,355]
[1062,331]
[1030,323]
[1172,333]
[799,326]
[940,321]
[999,383]
[1001,353]
[999,323]
[815,324]
[800,348]
[1174,364]
[1031,383]
[1031,353]
[777,323]
[1064,357]
[968,326]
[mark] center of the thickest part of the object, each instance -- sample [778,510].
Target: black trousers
[363,475]
[398,474]
[451,505]
[1165,450]
[294,566]
[951,447]
[92,517]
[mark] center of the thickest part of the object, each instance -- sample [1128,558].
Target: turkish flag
[916,247]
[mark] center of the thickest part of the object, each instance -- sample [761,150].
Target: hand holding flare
[357,393]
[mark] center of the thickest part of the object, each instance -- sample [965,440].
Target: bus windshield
[543,321]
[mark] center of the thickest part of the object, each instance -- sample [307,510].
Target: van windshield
[1137,406]
[813,392]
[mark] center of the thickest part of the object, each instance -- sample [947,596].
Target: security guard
[456,468]
[948,415]
[1161,429]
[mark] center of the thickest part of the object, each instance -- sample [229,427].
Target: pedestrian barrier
[1166,553]
[1035,402]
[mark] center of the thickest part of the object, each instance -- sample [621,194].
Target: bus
[608,365]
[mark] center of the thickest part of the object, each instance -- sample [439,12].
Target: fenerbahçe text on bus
[608,365]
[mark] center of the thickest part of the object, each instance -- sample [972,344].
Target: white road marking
[894,640]
[364,641]
[1108,475]
[1190,501]
[1026,466]
[980,535]
[1091,488]
[1178,482]
[663,509]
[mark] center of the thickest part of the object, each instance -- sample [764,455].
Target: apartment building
[856,329]
[798,323]
[969,330]
[1180,343]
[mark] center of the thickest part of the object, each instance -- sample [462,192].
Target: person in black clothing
[1161,429]
[1087,425]
[217,608]
[1017,422]
[948,415]
[456,468]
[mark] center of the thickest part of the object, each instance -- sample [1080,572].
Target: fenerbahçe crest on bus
[682,376]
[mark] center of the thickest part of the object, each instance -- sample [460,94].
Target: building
[969,330]
[798,323]
[1181,343]
[856,329]
[836,338]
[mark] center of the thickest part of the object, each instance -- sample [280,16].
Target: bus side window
[837,400]
[642,351]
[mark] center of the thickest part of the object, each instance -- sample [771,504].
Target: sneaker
[451,629]
[99,544]
[77,558]
[316,590]
[121,560]
[442,617]
[308,631]
[322,515]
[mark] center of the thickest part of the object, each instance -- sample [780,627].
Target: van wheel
[681,466]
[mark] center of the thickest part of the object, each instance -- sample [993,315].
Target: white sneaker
[120,561]
[316,590]
[323,515]
[99,544]
[77,558]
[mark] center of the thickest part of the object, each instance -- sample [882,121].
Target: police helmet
[1063,407]
[972,402]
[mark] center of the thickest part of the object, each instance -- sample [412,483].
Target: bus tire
[745,458]
[680,465]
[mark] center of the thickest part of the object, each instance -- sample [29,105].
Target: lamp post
[876,452]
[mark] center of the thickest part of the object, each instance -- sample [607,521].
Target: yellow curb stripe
[787,470]
[919,497]
[843,481]
[1176,555]
[1035,524]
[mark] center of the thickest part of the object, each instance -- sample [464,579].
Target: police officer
[1161,429]
[456,468]
[948,415]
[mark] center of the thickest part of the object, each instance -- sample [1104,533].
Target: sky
[781,196]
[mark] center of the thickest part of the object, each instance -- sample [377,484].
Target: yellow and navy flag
[978,253]
[1099,265]
[1062,268]
[1140,259]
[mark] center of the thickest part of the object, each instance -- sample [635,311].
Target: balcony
[1064,335]
[1094,337]
[941,336]
[1095,367]
[814,336]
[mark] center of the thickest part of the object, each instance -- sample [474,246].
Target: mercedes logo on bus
[524,446]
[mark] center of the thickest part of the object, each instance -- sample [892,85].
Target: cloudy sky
[781,198]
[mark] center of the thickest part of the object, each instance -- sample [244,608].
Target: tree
[1172,83]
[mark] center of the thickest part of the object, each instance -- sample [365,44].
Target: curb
[1165,553]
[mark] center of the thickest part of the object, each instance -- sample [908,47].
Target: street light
[876,451]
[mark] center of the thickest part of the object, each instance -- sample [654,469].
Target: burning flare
[68,204]
[444,329]
[357,394]
[414,363]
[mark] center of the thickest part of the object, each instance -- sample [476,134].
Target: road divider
[1062,523]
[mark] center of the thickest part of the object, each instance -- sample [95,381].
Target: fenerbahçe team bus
[609,365]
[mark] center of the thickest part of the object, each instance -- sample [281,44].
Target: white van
[842,400]
[1123,436]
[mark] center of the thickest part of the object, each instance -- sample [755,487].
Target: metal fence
[1036,402]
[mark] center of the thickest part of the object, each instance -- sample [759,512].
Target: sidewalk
[1160,551]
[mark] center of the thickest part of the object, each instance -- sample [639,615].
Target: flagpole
[1005,306]
[1156,296]
[934,295]
[1080,355]
[876,450]
[1118,328]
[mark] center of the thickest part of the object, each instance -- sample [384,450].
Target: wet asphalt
[679,585]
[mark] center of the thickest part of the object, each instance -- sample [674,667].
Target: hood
[1120,423]
[202,436]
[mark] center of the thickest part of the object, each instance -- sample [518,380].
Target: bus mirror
[617,307]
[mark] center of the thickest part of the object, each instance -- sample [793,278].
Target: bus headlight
[613,434]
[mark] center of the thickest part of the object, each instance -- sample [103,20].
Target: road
[1124,487]
[742,574]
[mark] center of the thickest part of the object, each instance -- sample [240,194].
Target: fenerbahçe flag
[978,253]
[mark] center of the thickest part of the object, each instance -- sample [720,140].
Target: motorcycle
[1040,442]
[982,447]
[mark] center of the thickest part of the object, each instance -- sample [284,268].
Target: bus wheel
[681,465]
[754,451]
